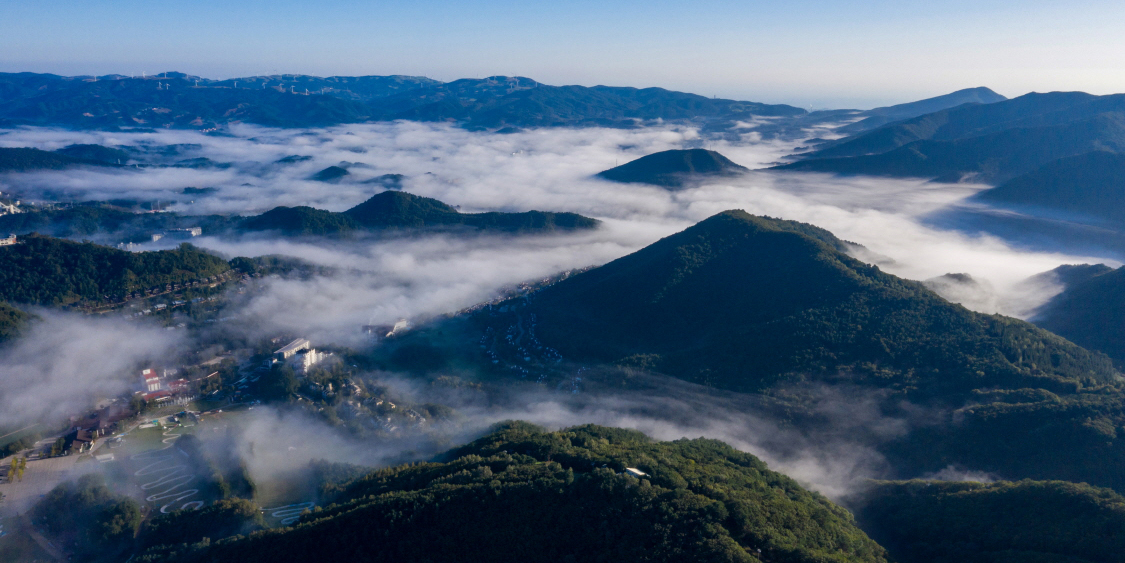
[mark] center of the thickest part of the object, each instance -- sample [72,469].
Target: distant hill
[394,209]
[183,101]
[1089,312]
[26,159]
[1089,186]
[1041,521]
[881,116]
[982,142]
[48,271]
[749,303]
[988,158]
[674,168]
[525,494]
[300,221]
[97,153]
[330,174]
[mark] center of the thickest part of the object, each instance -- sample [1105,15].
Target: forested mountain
[48,271]
[26,159]
[1089,186]
[982,142]
[1090,312]
[97,153]
[393,209]
[525,494]
[747,303]
[674,168]
[179,100]
[881,116]
[1005,522]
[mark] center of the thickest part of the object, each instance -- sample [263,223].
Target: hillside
[881,116]
[48,271]
[1049,522]
[394,209]
[747,303]
[1089,312]
[11,321]
[96,153]
[1089,186]
[183,101]
[991,157]
[674,168]
[991,143]
[524,494]
[23,160]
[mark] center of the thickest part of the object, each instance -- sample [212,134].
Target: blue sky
[804,52]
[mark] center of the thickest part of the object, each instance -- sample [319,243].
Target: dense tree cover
[1090,312]
[674,168]
[399,210]
[524,494]
[98,153]
[747,303]
[24,159]
[87,518]
[175,100]
[300,221]
[985,142]
[1026,521]
[91,218]
[330,174]
[224,518]
[49,271]
[12,321]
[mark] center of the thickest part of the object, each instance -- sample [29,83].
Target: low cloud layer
[66,361]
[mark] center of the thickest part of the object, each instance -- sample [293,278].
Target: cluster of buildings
[8,207]
[8,241]
[162,387]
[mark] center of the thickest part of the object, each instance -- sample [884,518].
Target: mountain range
[183,101]
[989,143]
[1090,309]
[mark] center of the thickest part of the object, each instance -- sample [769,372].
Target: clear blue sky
[805,52]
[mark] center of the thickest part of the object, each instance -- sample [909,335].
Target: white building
[291,349]
[8,241]
[10,208]
[303,361]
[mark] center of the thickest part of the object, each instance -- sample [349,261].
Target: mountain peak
[674,168]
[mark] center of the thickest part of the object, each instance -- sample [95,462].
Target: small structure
[634,472]
[291,349]
[380,332]
[10,240]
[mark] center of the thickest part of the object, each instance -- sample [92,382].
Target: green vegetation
[49,271]
[399,210]
[330,174]
[97,153]
[748,303]
[674,168]
[12,321]
[23,160]
[1027,521]
[176,530]
[524,494]
[300,221]
[87,518]
[1089,312]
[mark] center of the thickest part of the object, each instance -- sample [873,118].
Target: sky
[820,53]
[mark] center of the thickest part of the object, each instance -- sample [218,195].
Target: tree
[21,468]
